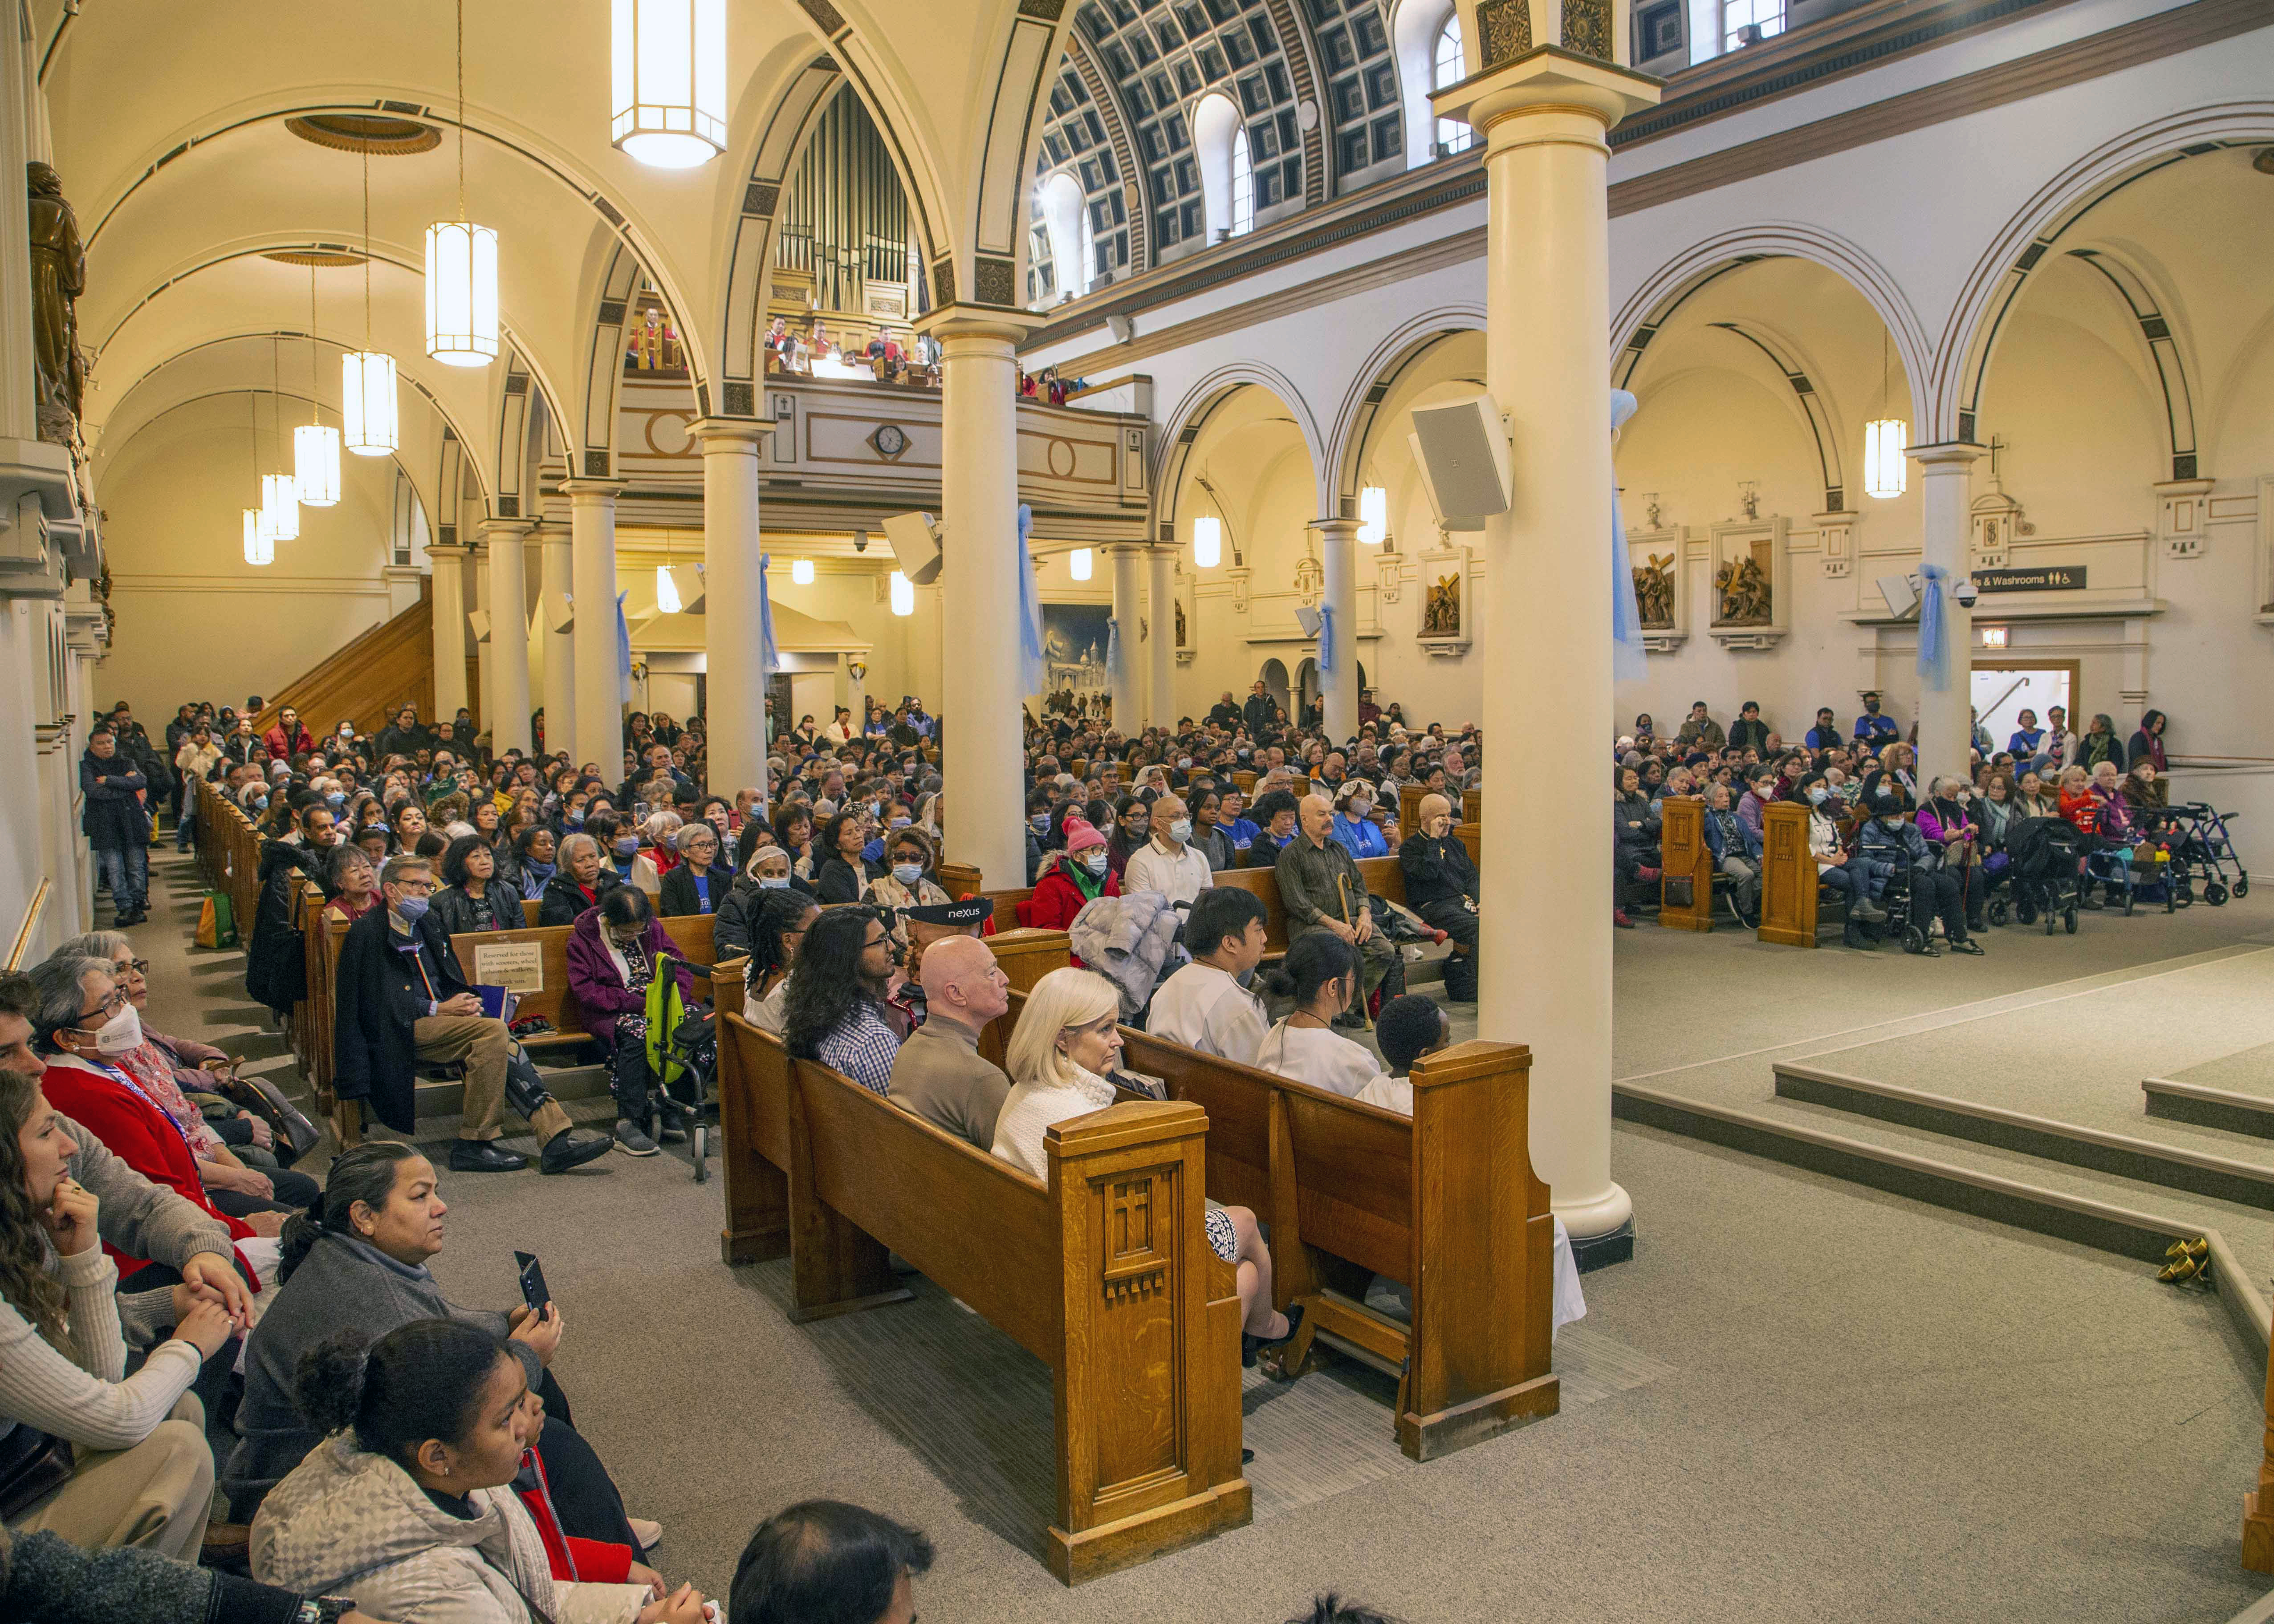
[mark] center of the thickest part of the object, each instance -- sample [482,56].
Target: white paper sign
[518,967]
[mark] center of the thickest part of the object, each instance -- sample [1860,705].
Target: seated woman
[1133,828]
[354,882]
[1320,972]
[2033,799]
[794,828]
[1209,837]
[1947,819]
[582,881]
[533,865]
[1635,854]
[783,917]
[843,874]
[1835,867]
[137,1471]
[1072,879]
[1059,1059]
[2078,804]
[908,881]
[410,1500]
[693,885]
[1277,815]
[613,950]
[1354,821]
[1441,886]
[654,850]
[360,1265]
[473,897]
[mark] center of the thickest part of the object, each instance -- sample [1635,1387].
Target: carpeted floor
[1802,1400]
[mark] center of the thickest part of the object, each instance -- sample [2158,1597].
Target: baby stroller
[682,1057]
[2048,855]
[2204,852]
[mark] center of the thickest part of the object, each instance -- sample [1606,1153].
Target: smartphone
[532,1283]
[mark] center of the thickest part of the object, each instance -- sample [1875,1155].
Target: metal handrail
[39,904]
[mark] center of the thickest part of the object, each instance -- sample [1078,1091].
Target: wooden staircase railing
[388,666]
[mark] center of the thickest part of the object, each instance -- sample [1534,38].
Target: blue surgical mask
[336,800]
[1094,860]
[1816,795]
[773,882]
[575,820]
[628,846]
[1040,822]
[412,908]
[908,874]
[1180,830]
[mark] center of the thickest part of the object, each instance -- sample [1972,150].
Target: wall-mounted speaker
[480,619]
[915,545]
[559,612]
[1462,448]
[687,581]
[1901,595]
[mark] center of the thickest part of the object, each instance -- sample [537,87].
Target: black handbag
[287,1125]
[32,1465]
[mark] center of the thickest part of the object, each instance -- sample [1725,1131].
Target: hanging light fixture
[280,492]
[667,589]
[462,285]
[801,570]
[1207,541]
[315,447]
[904,596]
[368,421]
[1886,471]
[1080,565]
[1373,516]
[667,78]
[260,543]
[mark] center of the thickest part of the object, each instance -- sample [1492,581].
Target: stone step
[2208,1107]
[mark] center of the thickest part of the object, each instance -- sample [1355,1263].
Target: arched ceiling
[167,123]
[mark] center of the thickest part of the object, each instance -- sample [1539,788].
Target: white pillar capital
[1587,96]
[593,492]
[504,529]
[449,549]
[1946,456]
[731,434]
[978,329]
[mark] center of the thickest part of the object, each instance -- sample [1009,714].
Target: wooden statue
[1440,612]
[1654,591]
[59,277]
[1745,593]
[1180,623]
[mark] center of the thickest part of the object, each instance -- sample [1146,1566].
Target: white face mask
[121,1034]
[1180,830]
[1094,861]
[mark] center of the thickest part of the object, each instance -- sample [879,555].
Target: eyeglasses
[108,1007]
[140,967]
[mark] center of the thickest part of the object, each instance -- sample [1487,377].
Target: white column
[509,660]
[737,679]
[558,587]
[980,696]
[1128,606]
[450,564]
[1161,640]
[1946,523]
[1545,948]
[599,684]
[1338,688]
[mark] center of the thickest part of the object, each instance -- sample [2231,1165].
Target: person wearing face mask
[1353,825]
[1072,879]
[907,882]
[400,998]
[614,951]
[1835,868]
[1441,886]
[1208,1004]
[1946,820]
[1889,843]
[1166,863]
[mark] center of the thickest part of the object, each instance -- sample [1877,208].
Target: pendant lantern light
[1080,565]
[462,274]
[801,571]
[904,596]
[260,543]
[315,447]
[280,492]
[666,594]
[1886,471]
[1207,541]
[367,422]
[1373,516]
[667,80]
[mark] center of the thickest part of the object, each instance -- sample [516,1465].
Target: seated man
[1207,1004]
[1736,848]
[1441,886]
[1321,889]
[1825,734]
[1892,842]
[938,1073]
[400,1000]
[822,1559]
[1701,729]
[1165,863]
[1871,727]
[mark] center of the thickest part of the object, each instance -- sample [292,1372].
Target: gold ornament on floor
[2190,1260]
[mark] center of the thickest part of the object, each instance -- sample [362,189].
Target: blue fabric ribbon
[769,656]
[1933,639]
[1326,637]
[1031,667]
[623,645]
[1113,647]
[1630,660]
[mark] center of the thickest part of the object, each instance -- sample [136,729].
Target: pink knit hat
[1081,835]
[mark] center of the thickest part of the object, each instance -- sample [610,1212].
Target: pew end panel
[1482,1343]
[1028,955]
[1788,884]
[753,1141]
[1148,1375]
[1685,858]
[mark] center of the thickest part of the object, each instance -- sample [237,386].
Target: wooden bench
[1684,858]
[1103,1273]
[690,933]
[1383,877]
[1445,1202]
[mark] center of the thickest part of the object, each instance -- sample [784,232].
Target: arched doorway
[1306,684]
[1273,677]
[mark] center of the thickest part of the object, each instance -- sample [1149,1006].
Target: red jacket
[136,1132]
[280,748]
[587,1561]
[1056,899]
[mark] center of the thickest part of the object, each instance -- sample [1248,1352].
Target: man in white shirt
[1165,863]
[1205,1005]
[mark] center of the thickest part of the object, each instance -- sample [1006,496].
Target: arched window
[1243,185]
[1065,223]
[1445,68]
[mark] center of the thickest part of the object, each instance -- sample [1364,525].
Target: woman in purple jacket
[613,950]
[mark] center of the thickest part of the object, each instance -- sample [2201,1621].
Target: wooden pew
[1347,1190]
[1245,778]
[1103,1273]
[1383,877]
[1788,884]
[1685,857]
[690,933]
[1027,956]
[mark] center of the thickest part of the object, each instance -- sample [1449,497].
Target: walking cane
[1342,890]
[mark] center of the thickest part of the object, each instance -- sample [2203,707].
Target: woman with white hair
[659,853]
[695,884]
[1061,1056]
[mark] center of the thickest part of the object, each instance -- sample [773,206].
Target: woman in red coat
[1071,880]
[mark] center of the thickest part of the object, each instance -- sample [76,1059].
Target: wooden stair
[388,667]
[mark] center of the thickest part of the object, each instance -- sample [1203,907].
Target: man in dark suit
[400,1000]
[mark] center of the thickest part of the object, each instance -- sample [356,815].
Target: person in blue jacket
[2027,737]
[1871,727]
[1736,849]
[1353,823]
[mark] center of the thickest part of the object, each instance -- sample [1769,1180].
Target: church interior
[799,482]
